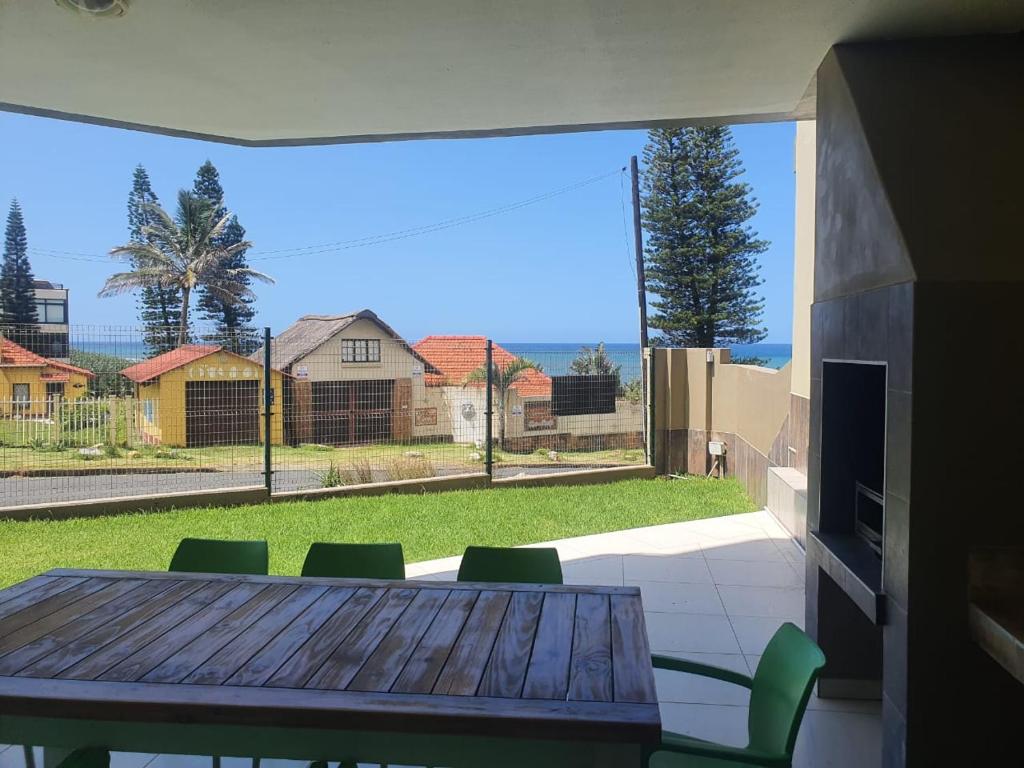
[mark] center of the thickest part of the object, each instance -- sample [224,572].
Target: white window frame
[360,350]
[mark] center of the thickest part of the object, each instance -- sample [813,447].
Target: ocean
[553,358]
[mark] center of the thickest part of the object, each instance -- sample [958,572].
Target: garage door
[222,413]
[352,412]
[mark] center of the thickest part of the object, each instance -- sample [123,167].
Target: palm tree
[184,252]
[502,378]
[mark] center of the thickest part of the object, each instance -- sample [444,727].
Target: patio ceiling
[276,72]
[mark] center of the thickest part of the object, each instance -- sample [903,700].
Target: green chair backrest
[533,565]
[215,556]
[366,561]
[782,685]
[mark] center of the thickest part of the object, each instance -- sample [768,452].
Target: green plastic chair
[352,561]
[215,556]
[533,565]
[779,692]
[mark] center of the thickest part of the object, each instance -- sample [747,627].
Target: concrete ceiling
[308,71]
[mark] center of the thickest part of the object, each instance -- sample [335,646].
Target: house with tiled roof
[353,379]
[530,418]
[201,395]
[30,382]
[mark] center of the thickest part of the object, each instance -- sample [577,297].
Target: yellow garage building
[200,395]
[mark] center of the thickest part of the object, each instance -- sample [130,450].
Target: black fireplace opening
[852,490]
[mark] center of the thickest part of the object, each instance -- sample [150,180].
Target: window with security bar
[360,350]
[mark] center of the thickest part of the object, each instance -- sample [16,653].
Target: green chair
[348,561]
[215,556]
[533,565]
[779,692]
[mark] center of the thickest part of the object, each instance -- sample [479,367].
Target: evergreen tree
[159,307]
[231,321]
[17,296]
[595,361]
[701,255]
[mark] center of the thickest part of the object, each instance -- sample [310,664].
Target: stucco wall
[803,257]
[74,389]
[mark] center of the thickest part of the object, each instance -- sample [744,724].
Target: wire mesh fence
[115,411]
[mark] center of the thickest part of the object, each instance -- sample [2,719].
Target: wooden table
[425,673]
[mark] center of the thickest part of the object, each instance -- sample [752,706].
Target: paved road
[15,491]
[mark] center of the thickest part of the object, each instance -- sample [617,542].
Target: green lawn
[429,526]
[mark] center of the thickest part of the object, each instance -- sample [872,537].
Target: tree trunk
[183,327]
[501,422]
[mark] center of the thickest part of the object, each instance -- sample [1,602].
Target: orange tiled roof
[15,355]
[458,356]
[168,361]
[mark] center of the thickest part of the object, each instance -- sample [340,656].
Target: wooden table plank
[590,672]
[233,656]
[465,666]
[547,676]
[48,624]
[259,668]
[49,605]
[348,658]
[631,652]
[304,663]
[104,657]
[506,668]
[146,658]
[176,666]
[15,661]
[425,664]
[384,666]
[40,587]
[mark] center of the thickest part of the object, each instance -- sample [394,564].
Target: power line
[362,242]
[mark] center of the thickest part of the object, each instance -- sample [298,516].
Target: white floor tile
[754,632]
[670,568]
[663,597]
[690,633]
[712,722]
[753,574]
[763,601]
[757,550]
[603,571]
[680,687]
[839,740]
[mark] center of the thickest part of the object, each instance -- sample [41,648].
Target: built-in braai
[853,451]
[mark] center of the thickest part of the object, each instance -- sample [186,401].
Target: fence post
[651,427]
[489,412]
[268,402]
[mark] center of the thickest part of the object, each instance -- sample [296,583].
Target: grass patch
[429,526]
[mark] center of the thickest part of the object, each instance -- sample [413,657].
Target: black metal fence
[343,401]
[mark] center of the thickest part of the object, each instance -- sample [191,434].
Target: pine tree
[701,255]
[17,295]
[159,308]
[232,322]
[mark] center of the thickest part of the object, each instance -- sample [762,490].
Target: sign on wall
[426,417]
[538,416]
[578,395]
[208,372]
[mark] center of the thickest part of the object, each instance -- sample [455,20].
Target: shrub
[404,468]
[332,477]
[362,471]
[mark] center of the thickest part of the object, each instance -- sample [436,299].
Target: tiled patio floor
[715,591]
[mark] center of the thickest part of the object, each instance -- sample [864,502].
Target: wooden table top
[562,662]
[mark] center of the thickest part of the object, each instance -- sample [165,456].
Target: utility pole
[638,247]
[646,376]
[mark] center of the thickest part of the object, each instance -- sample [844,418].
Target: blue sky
[559,270]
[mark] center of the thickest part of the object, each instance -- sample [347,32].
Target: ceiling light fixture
[97,9]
